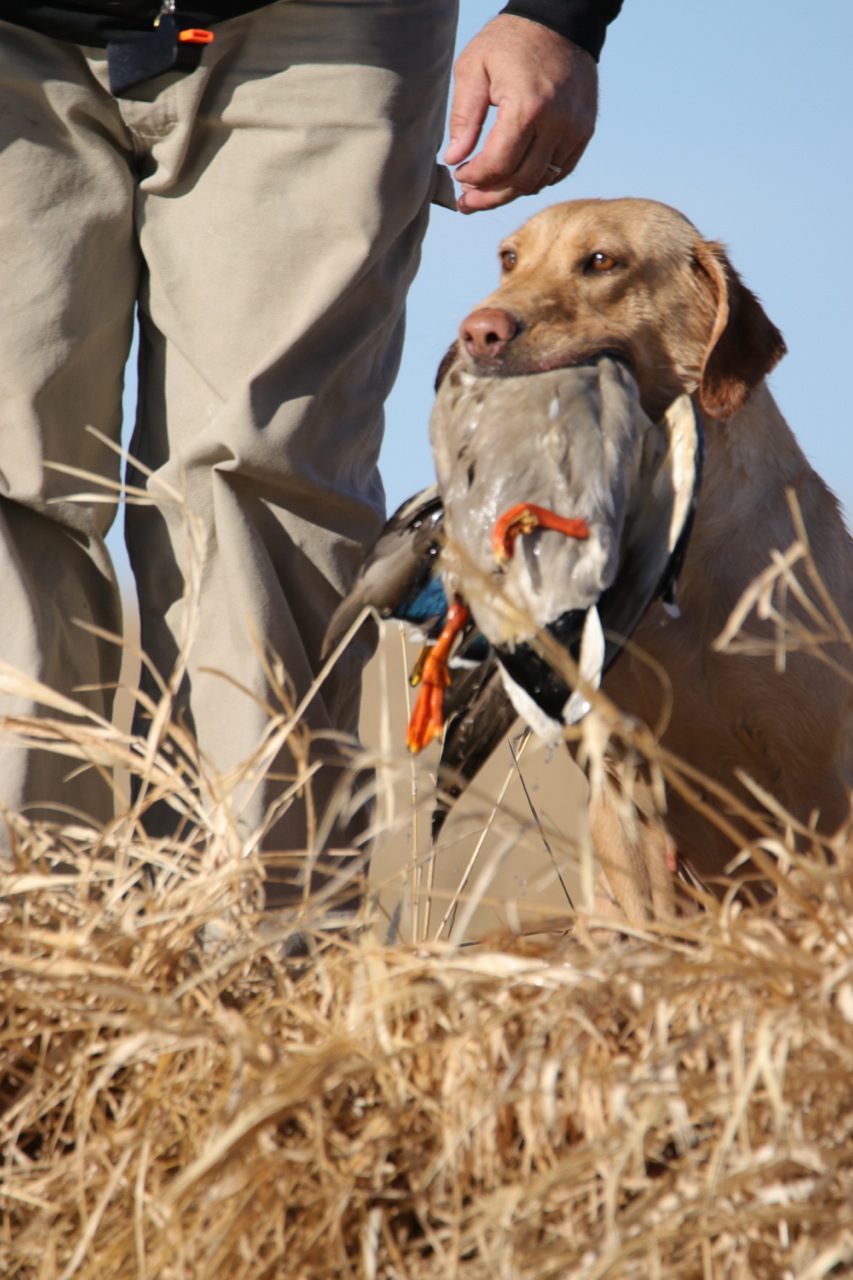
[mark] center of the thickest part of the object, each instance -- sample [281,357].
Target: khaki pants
[265,214]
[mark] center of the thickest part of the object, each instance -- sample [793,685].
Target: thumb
[468,110]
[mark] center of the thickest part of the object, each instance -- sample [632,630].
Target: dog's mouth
[588,358]
[511,366]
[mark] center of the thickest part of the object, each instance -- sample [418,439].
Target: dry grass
[674,1104]
[671,1103]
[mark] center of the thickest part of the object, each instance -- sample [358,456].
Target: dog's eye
[600,261]
[508,259]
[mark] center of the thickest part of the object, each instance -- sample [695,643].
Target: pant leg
[281,222]
[69,277]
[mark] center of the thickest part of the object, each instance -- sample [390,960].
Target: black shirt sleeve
[584,22]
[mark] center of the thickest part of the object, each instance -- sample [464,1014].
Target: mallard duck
[561,509]
[567,511]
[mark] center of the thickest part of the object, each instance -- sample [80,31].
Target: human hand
[546,91]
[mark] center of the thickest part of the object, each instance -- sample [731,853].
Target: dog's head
[628,278]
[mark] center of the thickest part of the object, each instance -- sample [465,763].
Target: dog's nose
[486,332]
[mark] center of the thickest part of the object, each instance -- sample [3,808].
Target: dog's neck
[753,453]
[743,515]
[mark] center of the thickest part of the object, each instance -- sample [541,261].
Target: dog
[633,279]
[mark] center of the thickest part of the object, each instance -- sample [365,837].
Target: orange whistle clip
[195,35]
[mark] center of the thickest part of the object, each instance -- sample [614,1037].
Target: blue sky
[737,112]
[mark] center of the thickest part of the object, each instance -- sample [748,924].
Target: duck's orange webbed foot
[524,517]
[427,720]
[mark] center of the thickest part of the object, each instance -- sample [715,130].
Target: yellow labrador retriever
[633,278]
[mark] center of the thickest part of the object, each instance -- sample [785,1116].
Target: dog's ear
[745,344]
[447,364]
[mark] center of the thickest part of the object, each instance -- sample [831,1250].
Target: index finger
[504,150]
